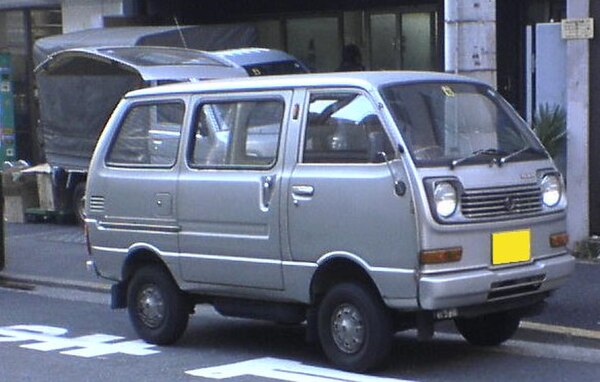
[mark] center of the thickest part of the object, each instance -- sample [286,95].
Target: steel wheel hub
[150,306]
[347,328]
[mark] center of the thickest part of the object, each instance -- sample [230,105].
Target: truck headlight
[551,190]
[445,199]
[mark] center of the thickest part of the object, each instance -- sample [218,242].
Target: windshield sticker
[448,92]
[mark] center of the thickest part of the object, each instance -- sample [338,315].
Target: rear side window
[148,136]
[238,134]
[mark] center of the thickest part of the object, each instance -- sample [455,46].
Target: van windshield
[457,123]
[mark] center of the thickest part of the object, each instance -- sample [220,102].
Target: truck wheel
[488,330]
[78,203]
[355,328]
[158,310]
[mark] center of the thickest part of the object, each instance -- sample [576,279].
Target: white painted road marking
[284,370]
[557,329]
[538,349]
[49,338]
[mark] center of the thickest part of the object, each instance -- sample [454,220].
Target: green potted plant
[549,124]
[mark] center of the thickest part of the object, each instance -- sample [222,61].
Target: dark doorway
[512,18]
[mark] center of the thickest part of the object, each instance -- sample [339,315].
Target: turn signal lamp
[559,240]
[440,256]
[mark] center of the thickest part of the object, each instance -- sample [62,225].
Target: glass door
[402,40]
[418,41]
[385,42]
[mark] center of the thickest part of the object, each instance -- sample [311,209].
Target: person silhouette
[351,59]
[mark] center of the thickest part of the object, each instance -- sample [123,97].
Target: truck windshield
[457,123]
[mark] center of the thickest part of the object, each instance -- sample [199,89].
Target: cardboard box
[16,205]
[20,192]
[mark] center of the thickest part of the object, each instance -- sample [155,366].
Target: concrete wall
[470,38]
[87,14]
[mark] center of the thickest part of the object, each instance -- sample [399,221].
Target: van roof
[372,79]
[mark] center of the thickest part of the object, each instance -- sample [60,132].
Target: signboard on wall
[577,29]
[7,113]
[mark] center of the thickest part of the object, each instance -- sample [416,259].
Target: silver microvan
[357,204]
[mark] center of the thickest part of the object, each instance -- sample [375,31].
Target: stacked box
[20,192]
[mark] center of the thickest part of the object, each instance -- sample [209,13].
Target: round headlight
[445,199]
[551,190]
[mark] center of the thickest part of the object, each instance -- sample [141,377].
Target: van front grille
[97,203]
[490,203]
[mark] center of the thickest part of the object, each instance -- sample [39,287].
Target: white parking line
[557,329]
[49,338]
[538,350]
[284,370]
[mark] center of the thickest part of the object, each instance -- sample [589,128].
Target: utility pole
[578,126]
[470,42]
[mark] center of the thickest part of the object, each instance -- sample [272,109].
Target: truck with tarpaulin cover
[79,87]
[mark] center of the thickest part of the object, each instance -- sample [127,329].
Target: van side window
[344,128]
[148,136]
[237,134]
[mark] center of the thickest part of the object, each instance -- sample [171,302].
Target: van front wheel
[158,310]
[354,327]
[490,329]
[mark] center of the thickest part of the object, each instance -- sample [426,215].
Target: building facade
[480,38]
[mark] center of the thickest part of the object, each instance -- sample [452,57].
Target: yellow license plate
[511,247]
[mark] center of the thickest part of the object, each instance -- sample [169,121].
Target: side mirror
[399,186]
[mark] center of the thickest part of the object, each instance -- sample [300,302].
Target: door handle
[303,191]
[267,189]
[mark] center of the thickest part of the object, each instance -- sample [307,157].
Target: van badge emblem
[528,175]
[509,203]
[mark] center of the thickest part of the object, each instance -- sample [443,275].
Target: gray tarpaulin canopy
[78,88]
[204,37]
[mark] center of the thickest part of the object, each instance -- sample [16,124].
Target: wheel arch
[340,285]
[138,257]
[336,269]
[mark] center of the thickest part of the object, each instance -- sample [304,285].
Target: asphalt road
[56,255]
[45,330]
[54,334]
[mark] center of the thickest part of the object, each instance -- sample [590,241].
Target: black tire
[78,203]
[157,308]
[344,306]
[490,329]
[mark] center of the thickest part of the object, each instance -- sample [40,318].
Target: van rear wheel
[355,328]
[157,308]
[490,329]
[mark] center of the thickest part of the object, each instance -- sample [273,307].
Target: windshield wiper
[484,152]
[531,149]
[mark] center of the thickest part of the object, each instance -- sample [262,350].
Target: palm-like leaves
[549,124]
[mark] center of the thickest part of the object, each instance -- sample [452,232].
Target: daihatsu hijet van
[360,203]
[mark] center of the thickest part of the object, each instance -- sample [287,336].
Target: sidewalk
[48,254]
[55,255]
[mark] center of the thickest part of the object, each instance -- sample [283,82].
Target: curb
[28,282]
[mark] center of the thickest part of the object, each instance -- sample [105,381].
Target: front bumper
[488,286]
